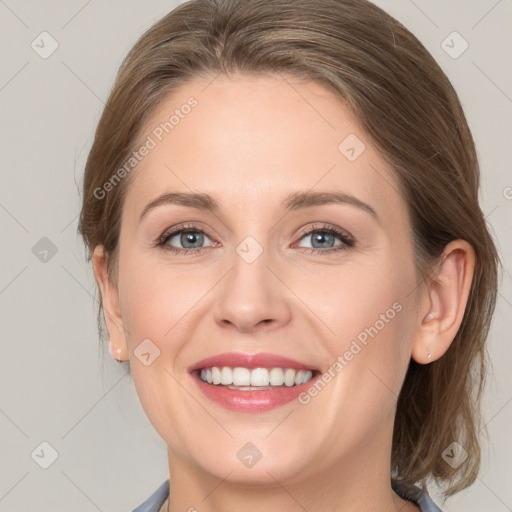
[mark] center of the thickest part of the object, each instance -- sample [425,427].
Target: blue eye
[192,239]
[323,239]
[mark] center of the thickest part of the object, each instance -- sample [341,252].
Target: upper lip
[259,360]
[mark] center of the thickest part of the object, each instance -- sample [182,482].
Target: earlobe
[446,296]
[111,307]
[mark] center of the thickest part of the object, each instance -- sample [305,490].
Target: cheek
[368,311]
[154,298]
[157,307]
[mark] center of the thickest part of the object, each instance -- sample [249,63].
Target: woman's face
[276,268]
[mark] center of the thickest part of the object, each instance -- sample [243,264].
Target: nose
[252,297]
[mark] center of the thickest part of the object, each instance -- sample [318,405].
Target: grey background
[57,385]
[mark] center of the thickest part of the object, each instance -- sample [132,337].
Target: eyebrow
[295,201]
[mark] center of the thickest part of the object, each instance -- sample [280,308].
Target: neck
[359,481]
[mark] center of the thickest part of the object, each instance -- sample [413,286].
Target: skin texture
[249,143]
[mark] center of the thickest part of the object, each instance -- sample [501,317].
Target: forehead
[240,137]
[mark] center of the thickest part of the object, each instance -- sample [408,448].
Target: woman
[281,207]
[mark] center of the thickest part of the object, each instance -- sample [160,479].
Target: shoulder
[156,500]
[411,492]
[404,489]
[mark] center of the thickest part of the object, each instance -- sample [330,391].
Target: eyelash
[348,241]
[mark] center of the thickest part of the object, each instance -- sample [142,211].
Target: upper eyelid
[325,227]
[179,228]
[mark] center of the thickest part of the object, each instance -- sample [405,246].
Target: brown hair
[409,110]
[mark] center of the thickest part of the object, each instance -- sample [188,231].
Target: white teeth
[301,377]
[226,375]
[255,377]
[216,375]
[242,376]
[276,377]
[259,377]
[289,377]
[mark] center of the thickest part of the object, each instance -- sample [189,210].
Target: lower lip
[251,401]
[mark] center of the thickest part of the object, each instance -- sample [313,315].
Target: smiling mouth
[253,379]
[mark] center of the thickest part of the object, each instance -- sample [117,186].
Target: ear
[444,302]
[111,309]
